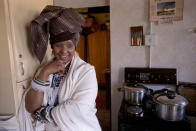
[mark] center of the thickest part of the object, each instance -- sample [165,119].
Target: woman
[63,92]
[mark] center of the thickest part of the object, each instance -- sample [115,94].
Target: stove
[141,118]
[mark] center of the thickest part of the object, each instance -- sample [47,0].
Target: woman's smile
[63,57]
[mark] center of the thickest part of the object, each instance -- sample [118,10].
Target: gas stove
[141,118]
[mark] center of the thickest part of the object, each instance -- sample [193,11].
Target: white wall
[81,3]
[175,47]
[123,15]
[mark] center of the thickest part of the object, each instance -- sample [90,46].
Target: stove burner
[134,110]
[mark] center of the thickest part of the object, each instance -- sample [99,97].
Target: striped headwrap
[60,23]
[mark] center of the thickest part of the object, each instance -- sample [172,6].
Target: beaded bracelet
[44,112]
[47,114]
[39,85]
[38,116]
[45,83]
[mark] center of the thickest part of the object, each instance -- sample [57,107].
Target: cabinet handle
[23,87]
[22,67]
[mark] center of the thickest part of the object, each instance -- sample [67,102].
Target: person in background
[91,25]
[63,92]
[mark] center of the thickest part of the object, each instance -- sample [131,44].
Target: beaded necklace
[57,82]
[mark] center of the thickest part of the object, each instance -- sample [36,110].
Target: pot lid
[171,100]
[135,89]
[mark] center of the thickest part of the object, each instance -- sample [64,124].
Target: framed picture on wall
[159,9]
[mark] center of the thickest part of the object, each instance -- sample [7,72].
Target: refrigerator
[18,64]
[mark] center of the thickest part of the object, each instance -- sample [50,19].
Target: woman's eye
[70,45]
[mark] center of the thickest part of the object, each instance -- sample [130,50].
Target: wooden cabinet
[81,48]
[98,53]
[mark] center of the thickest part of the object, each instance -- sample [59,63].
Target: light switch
[192,30]
[150,40]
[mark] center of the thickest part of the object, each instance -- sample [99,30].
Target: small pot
[134,95]
[170,106]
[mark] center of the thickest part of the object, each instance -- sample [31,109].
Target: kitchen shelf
[137,36]
[140,46]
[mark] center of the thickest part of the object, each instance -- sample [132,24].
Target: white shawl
[76,110]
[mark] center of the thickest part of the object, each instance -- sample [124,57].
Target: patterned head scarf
[61,23]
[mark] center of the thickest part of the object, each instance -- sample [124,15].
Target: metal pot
[170,106]
[134,95]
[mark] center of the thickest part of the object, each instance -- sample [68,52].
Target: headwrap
[61,23]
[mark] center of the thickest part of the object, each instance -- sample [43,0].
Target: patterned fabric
[57,82]
[44,111]
[54,20]
[61,37]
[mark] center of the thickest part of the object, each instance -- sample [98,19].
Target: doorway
[94,48]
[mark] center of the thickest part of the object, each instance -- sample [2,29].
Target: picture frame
[160,9]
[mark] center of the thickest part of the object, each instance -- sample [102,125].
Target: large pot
[134,94]
[170,106]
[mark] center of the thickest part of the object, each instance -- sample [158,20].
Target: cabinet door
[21,13]
[6,81]
[98,47]
[81,48]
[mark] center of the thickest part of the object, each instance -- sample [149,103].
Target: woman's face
[64,50]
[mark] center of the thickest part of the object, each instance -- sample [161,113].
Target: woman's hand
[52,67]
[38,115]
[34,98]
[43,114]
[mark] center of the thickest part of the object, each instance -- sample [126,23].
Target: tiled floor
[103,113]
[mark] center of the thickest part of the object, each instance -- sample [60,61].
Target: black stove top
[148,122]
